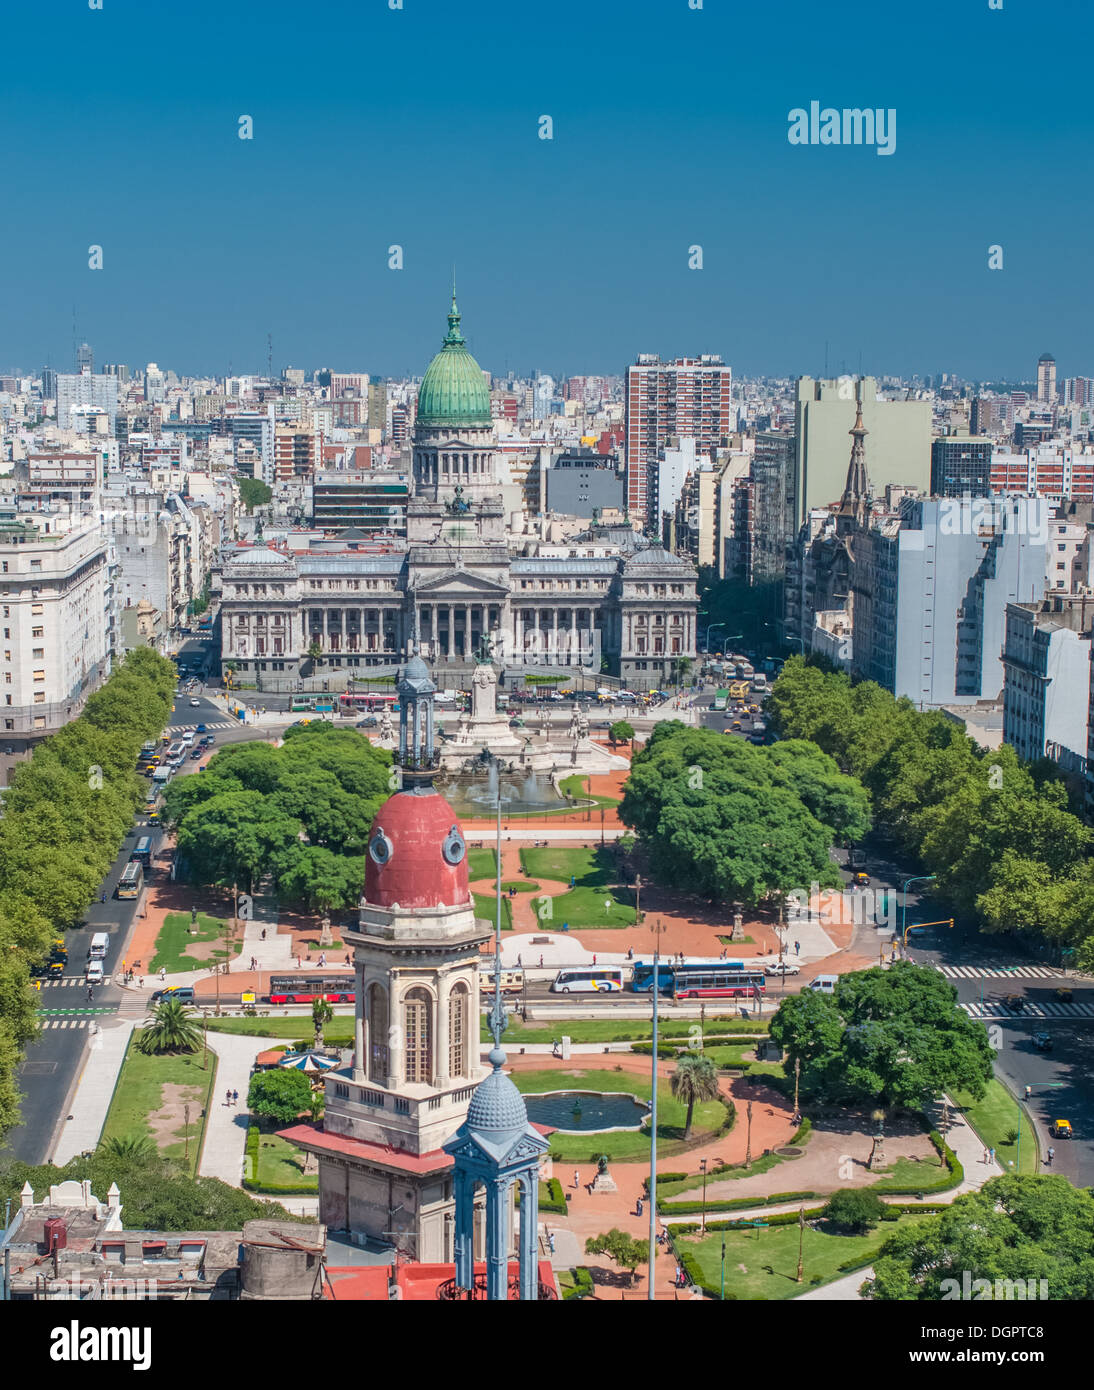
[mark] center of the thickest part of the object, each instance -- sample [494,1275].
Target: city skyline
[572,253]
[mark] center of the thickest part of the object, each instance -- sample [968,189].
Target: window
[418,1032]
[39,675]
[36,610]
[457,1030]
[39,697]
[377,1033]
[38,653]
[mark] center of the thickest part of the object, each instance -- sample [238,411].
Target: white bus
[596,979]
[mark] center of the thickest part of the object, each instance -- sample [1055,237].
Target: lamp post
[651,1293]
[710,629]
[703,1170]
[919,878]
[748,1138]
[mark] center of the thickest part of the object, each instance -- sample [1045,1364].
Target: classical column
[360,1028]
[467,632]
[573,637]
[529,1235]
[440,1051]
[485,621]
[554,636]
[497,1239]
[396,1050]
[518,633]
[464,1191]
[451,631]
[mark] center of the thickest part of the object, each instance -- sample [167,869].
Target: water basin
[582,1111]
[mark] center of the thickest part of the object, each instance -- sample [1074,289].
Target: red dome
[417,855]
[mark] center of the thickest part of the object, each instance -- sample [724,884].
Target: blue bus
[667,971]
[143,853]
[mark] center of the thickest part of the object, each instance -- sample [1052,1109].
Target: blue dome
[496,1104]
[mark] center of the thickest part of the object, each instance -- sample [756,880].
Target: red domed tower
[382,1171]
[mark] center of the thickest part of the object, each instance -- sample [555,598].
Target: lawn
[140,1106]
[996,1116]
[577,787]
[338,1032]
[587,907]
[762,1263]
[623,1030]
[481,863]
[590,867]
[281,1165]
[174,938]
[623,1145]
[486,906]
[520,885]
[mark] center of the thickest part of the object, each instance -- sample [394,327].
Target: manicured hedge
[688,1208]
[583,1283]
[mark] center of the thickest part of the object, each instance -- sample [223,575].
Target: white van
[94,972]
[99,943]
[187,738]
[824,984]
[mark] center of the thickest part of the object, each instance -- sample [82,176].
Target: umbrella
[308,1061]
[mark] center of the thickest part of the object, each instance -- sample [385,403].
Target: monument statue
[387,728]
[484,692]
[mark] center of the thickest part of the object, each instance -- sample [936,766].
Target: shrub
[583,1283]
[854,1209]
[803,1131]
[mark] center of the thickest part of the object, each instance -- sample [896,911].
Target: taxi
[1061,1129]
[861,879]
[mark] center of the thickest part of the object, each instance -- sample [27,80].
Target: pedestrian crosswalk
[210,725]
[66,1022]
[993,1009]
[1008,972]
[68,980]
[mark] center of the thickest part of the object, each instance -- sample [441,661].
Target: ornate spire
[856,493]
[454,335]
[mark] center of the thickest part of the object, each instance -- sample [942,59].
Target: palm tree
[169,1028]
[695,1079]
[128,1146]
[321,1014]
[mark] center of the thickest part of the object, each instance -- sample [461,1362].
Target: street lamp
[703,1170]
[710,629]
[919,878]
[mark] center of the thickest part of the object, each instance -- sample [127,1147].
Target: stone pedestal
[603,1182]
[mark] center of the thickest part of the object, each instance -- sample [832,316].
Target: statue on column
[484,689]
[387,729]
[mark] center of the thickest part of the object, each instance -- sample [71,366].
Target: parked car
[1042,1042]
[183,994]
[784,967]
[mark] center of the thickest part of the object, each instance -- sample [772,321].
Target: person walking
[991,1155]
[263,936]
[227,1097]
[577,1179]
[235,1097]
[797,948]
[1051,1153]
[163,973]
[90,994]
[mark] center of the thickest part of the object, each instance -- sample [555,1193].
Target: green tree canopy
[281,1094]
[253,492]
[1014,1228]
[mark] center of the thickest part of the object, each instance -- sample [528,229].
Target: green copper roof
[453,391]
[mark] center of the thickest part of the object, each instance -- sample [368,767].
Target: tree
[129,1147]
[281,1094]
[158,1193]
[855,1209]
[723,818]
[169,1029]
[317,879]
[1015,1229]
[893,1036]
[621,732]
[619,1247]
[253,492]
[695,1079]
[321,1015]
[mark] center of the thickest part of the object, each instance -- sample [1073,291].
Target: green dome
[453,391]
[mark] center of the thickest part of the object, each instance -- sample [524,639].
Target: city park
[791,1143]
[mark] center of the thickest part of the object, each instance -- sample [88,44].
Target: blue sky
[418,127]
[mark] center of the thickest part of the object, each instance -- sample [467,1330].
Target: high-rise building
[49,384]
[772,504]
[690,397]
[86,389]
[256,427]
[1046,692]
[1046,378]
[961,466]
[85,359]
[900,440]
[295,452]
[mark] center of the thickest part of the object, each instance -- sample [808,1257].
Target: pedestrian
[985,1158]
[298,962]
[322,958]
[518,960]
[90,994]
[263,936]
[1051,1153]
[227,1097]
[630,953]
[577,1178]
[991,1155]
[638,1207]
[163,973]
[235,1097]
[797,948]
[541,962]
[102,897]
[594,959]
[140,983]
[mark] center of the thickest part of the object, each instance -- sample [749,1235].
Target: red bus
[717,982]
[304,989]
[366,700]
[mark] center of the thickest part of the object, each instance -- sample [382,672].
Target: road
[54,1061]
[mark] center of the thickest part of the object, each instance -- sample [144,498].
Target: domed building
[383,1174]
[465,575]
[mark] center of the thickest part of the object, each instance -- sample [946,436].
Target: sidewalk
[94,1090]
[226,1126]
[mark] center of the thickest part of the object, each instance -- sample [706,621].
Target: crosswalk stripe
[992,1010]
[977,972]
